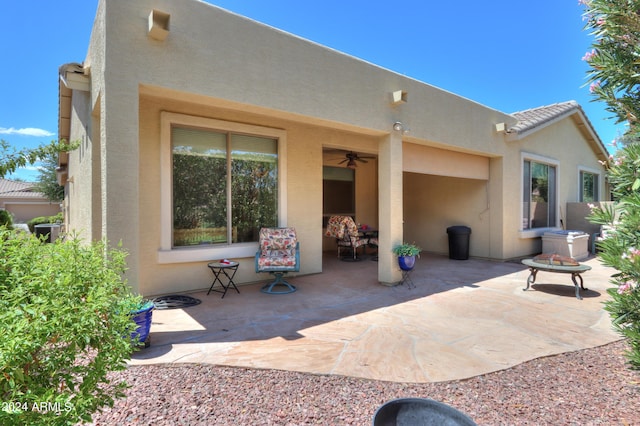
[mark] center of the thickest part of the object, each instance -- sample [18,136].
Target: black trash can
[459,242]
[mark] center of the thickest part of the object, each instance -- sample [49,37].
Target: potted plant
[141,312]
[142,317]
[407,254]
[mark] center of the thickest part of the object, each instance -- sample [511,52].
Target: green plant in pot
[407,254]
[141,312]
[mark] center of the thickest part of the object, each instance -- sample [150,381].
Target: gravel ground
[588,387]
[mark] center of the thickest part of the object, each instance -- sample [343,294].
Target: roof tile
[16,189]
[535,117]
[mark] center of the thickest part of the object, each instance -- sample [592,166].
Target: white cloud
[27,131]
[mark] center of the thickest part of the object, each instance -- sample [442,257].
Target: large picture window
[539,198]
[225,186]
[220,182]
[589,187]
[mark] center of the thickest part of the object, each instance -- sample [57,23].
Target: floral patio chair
[345,231]
[278,254]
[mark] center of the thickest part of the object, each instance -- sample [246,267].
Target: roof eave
[72,76]
[581,121]
[513,135]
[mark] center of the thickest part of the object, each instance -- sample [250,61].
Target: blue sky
[508,55]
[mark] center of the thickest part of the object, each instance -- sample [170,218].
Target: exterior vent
[399,97]
[158,25]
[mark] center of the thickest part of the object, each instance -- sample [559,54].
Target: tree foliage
[64,318]
[620,247]
[12,159]
[47,181]
[615,80]
[614,60]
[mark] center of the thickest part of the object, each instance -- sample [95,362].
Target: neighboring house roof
[15,189]
[534,119]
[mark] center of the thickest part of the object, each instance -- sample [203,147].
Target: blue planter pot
[406,263]
[142,317]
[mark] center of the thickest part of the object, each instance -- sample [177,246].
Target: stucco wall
[216,64]
[562,143]
[493,207]
[434,203]
[577,214]
[80,181]
[233,58]
[304,161]
[442,162]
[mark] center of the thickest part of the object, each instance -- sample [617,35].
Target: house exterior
[197,126]
[23,202]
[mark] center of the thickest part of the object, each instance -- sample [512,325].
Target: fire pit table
[549,266]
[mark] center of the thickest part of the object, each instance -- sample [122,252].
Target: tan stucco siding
[434,203]
[217,54]
[434,161]
[218,66]
[304,161]
[80,183]
[561,144]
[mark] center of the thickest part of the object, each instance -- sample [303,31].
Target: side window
[589,184]
[539,198]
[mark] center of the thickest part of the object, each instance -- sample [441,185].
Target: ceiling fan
[352,158]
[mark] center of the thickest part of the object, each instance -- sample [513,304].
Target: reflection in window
[539,195]
[224,186]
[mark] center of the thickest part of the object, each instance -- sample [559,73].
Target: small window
[539,199]
[589,183]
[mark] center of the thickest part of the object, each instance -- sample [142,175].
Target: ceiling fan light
[352,164]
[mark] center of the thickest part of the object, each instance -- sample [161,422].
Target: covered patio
[463,318]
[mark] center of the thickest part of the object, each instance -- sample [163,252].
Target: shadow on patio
[464,318]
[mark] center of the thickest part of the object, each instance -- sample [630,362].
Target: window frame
[597,189]
[169,254]
[537,232]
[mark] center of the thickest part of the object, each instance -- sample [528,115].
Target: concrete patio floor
[463,318]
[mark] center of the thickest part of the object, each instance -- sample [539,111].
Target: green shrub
[6,219]
[620,248]
[65,326]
